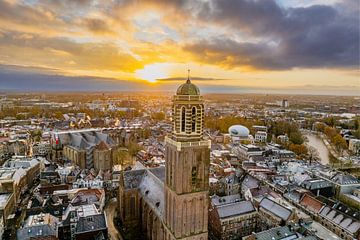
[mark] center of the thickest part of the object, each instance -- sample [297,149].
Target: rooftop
[311,203]
[188,88]
[275,209]
[235,209]
[4,198]
[278,233]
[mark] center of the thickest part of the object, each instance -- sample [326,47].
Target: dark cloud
[97,25]
[35,79]
[315,36]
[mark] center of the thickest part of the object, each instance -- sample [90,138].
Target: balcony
[187,98]
[180,145]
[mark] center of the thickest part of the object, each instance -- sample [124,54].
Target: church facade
[171,202]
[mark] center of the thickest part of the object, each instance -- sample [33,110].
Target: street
[110,211]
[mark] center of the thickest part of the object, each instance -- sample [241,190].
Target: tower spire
[188,79]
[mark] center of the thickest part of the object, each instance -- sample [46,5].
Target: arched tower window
[183,119]
[193,119]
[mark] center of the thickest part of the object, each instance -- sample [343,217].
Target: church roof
[133,178]
[159,172]
[188,88]
[152,190]
[150,183]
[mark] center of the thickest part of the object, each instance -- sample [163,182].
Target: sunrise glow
[151,73]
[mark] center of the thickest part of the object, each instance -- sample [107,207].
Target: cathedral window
[193,119]
[132,206]
[183,119]
[193,175]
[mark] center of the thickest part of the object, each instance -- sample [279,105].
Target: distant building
[354,146]
[231,218]
[239,133]
[41,149]
[231,184]
[17,147]
[4,151]
[283,138]
[344,183]
[248,152]
[260,128]
[13,181]
[86,149]
[248,183]
[284,103]
[260,136]
[31,166]
[49,175]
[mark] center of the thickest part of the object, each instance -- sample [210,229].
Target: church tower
[187,168]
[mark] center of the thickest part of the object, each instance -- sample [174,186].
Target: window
[193,175]
[193,119]
[132,206]
[183,119]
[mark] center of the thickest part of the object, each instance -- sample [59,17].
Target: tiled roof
[311,203]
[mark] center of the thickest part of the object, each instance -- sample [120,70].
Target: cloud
[57,51]
[77,36]
[28,18]
[97,26]
[305,37]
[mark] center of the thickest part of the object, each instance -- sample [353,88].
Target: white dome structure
[239,131]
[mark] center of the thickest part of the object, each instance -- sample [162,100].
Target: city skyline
[278,46]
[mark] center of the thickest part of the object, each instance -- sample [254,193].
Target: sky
[262,46]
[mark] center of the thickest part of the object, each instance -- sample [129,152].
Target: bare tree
[313,155]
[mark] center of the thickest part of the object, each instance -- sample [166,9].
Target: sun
[152,72]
